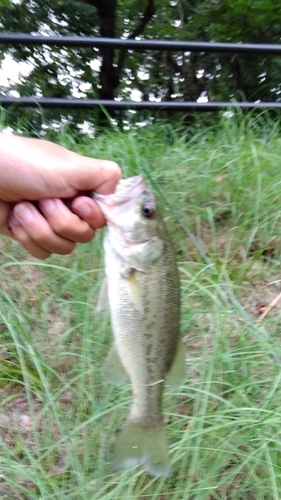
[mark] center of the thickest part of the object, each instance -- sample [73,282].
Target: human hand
[35,177]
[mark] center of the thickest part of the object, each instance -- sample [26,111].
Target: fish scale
[144,300]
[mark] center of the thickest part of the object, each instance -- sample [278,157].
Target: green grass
[219,189]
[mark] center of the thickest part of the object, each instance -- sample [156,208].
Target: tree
[109,73]
[57,72]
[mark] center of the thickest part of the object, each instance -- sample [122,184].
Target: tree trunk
[110,72]
[108,77]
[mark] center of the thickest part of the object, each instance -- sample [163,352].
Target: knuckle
[66,249]
[86,236]
[61,226]
[76,231]
[42,235]
[41,253]
[64,223]
[32,248]
[43,242]
[21,236]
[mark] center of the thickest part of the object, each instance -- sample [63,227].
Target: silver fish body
[144,299]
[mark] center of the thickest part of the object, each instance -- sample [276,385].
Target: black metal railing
[141,45]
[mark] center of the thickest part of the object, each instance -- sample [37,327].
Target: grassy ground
[219,188]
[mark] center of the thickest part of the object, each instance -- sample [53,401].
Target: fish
[143,293]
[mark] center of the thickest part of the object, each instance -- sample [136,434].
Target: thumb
[90,174]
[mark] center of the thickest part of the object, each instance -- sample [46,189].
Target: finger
[20,235]
[64,222]
[33,228]
[88,210]
[5,209]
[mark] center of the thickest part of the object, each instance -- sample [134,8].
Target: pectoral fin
[103,297]
[134,290]
[113,370]
[177,370]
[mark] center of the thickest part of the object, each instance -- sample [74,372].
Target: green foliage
[61,72]
[219,191]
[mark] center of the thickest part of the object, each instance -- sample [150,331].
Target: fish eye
[147,211]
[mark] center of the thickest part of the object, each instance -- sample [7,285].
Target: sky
[11,70]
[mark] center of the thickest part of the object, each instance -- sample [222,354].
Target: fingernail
[47,205]
[23,213]
[83,209]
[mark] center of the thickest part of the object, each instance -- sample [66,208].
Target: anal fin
[177,371]
[113,369]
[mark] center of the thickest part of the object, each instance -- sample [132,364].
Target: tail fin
[142,445]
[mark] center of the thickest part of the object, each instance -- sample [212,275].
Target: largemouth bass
[143,293]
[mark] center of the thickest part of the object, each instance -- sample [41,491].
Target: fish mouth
[116,207]
[126,190]
[130,184]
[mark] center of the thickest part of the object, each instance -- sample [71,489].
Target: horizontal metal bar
[52,102]
[86,41]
